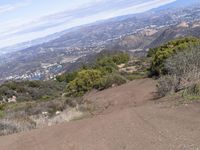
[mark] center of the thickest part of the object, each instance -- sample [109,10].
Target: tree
[85,81]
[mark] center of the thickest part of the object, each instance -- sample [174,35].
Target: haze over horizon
[25,20]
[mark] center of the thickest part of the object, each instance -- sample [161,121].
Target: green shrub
[114,59]
[134,76]
[183,73]
[34,84]
[167,84]
[84,82]
[10,126]
[192,92]
[74,101]
[161,54]
[106,63]
[110,80]
[120,58]
[46,97]
[2,114]
[2,110]
[102,74]
[31,90]
[67,77]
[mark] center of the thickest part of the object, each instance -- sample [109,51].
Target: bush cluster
[78,82]
[103,74]
[85,81]
[183,73]
[112,80]
[160,54]
[37,97]
[31,90]
[67,77]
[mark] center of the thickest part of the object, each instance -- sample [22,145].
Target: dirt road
[127,119]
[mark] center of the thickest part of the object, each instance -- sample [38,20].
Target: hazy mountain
[179,4]
[28,44]
[133,32]
[176,4]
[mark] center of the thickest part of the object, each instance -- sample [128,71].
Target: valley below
[133,33]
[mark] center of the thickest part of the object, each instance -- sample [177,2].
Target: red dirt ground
[127,118]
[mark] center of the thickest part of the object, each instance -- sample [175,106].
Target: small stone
[57,112]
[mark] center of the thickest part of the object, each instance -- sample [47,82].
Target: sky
[25,20]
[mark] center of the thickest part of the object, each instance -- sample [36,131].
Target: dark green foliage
[137,75]
[167,84]
[67,77]
[31,90]
[160,54]
[33,84]
[36,97]
[78,82]
[84,82]
[118,58]
[194,90]
[108,64]
[74,101]
[103,74]
[105,62]
[2,106]
[2,114]
[183,74]
[112,80]
[192,93]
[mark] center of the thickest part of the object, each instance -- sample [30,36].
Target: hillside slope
[133,32]
[126,118]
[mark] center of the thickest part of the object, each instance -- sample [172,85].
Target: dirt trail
[127,119]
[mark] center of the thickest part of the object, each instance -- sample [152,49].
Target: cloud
[90,11]
[11,7]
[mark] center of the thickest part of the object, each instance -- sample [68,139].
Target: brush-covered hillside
[26,105]
[122,99]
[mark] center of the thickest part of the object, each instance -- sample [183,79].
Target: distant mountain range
[44,58]
[28,44]
[177,4]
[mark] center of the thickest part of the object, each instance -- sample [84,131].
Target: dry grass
[20,117]
[8,126]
